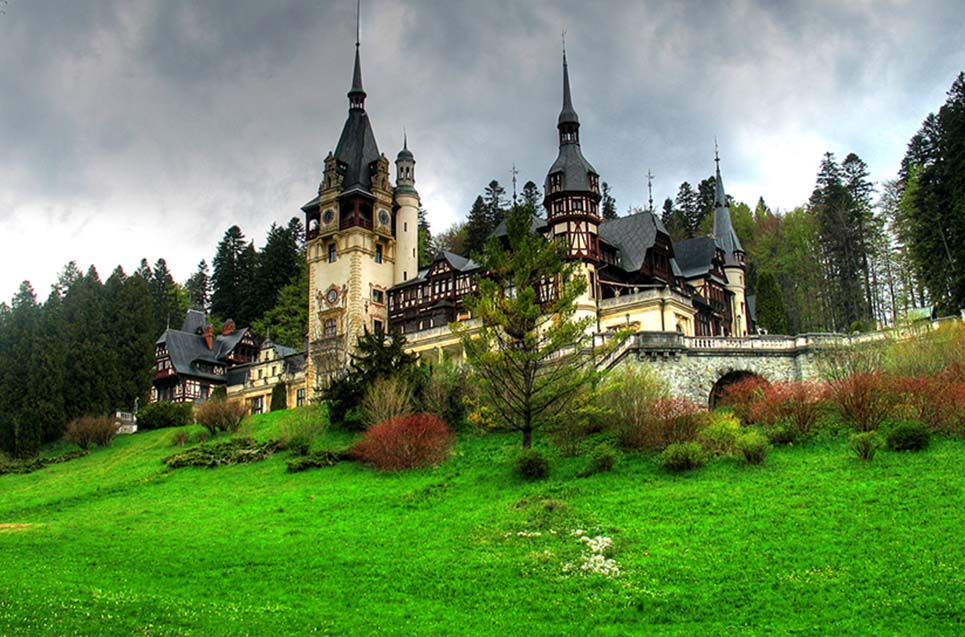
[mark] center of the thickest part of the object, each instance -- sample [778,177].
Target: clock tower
[355,228]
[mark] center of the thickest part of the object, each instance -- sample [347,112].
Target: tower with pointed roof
[572,187]
[735,265]
[361,238]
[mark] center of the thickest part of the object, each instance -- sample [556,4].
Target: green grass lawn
[812,542]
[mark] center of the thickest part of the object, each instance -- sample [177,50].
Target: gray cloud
[146,128]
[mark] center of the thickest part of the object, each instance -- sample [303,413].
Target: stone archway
[729,378]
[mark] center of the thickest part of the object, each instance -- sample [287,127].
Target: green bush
[865,445]
[219,392]
[531,465]
[315,460]
[909,436]
[164,414]
[237,451]
[447,389]
[783,433]
[301,427]
[753,446]
[682,456]
[279,397]
[602,461]
[719,436]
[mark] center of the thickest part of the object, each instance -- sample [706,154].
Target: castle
[362,251]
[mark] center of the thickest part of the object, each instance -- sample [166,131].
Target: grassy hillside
[814,541]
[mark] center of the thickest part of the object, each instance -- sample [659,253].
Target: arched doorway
[728,379]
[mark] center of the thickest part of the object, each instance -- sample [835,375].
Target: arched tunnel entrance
[728,379]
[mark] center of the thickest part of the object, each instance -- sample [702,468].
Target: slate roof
[458,262]
[632,236]
[194,321]
[356,148]
[188,348]
[575,168]
[536,226]
[695,256]
[724,232]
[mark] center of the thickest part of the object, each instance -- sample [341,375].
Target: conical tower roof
[724,233]
[357,148]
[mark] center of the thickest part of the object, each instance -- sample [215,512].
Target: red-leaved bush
[746,397]
[937,401]
[667,421]
[405,442]
[798,402]
[866,399]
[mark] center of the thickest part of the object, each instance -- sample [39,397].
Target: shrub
[279,397]
[219,392]
[865,444]
[938,401]
[88,430]
[299,430]
[602,461]
[448,390]
[406,442]
[682,456]
[909,436]
[217,415]
[531,465]
[237,451]
[753,446]
[666,421]
[387,398]
[180,438]
[627,398]
[720,435]
[164,414]
[315,460]
[746,397]
[864,398]
[798,403]
[781,434]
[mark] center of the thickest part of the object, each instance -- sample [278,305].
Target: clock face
[332,296]
[384,218]
[328,216]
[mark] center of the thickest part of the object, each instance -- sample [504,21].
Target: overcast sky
[135,129]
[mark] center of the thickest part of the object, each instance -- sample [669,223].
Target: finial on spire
[358,21]
[514,172]
[650,188]
[405,139]
[563,36]
[568,114]
[716,154]
[356,95]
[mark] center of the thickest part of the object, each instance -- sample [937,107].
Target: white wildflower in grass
[529,534]
[594,559]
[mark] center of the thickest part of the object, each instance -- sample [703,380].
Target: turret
[573,186]
[734,256]
[406,216]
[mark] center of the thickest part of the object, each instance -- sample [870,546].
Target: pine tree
[276,265]
[495,199]
[529,351]
[129,303]
[90,362]
[478,227]
[227,281]
[198,288]
[169,301]
[48,360]
[608,205]
[771,312]
[22,432]
[532,196]
[287,321]
[425,240]
[686,206]
[706,194]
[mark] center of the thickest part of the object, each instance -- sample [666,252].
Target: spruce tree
[771,312]
[48,382]
[532,196]
[495,199]
[198,287]
[687,208]
[425,240]
[478,228]
[608,205]
[276,265]
[226,278]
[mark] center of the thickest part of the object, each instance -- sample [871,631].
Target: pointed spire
[356,96]
[720,198]
[568,114]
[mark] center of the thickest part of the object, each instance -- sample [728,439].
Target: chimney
[228,327]
[209,336]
